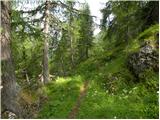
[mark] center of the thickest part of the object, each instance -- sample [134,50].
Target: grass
[62,95]
[127,104]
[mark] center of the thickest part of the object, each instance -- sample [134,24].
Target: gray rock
[146,50]
[144,59]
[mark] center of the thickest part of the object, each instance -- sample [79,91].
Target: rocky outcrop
[147,57]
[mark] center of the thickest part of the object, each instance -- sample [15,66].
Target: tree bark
[45,54]
[62,66]
[8,79]
[86,52]
[70,33]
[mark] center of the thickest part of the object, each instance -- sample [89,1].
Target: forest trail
[76,107]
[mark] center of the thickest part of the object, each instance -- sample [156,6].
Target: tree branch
[39,8]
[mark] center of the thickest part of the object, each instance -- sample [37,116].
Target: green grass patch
[62,95]
[133,103]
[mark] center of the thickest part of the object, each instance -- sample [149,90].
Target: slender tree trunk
[45,54]
[62,66]
[72,51]
[9,91]
[86,52]
[70,34]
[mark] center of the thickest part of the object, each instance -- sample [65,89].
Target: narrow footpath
[75,109]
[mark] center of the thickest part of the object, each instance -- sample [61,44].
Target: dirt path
[76,107]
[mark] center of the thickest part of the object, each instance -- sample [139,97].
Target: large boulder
[147,57]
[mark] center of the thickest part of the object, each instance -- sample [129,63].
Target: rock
[9,115]
[145,58]
[146,50]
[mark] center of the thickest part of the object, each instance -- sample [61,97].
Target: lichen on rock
[145,58]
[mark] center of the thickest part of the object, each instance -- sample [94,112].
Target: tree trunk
[62,66]
[45,54]
[86,52]
[72,51]
[70,33]
[9,91]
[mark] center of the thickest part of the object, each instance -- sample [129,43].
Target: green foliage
[150,78]
[128,104]
[75,41]
[85,33]
[124,20]
[128,101]
[112,93]
[149,33]
[26,48]
[78,57]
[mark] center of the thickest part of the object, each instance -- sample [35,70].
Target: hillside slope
[118,86]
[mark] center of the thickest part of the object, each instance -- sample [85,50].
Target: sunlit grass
[62,93]
[61,80]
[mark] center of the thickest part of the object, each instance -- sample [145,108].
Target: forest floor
[75,109]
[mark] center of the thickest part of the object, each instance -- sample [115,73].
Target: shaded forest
[54,66]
